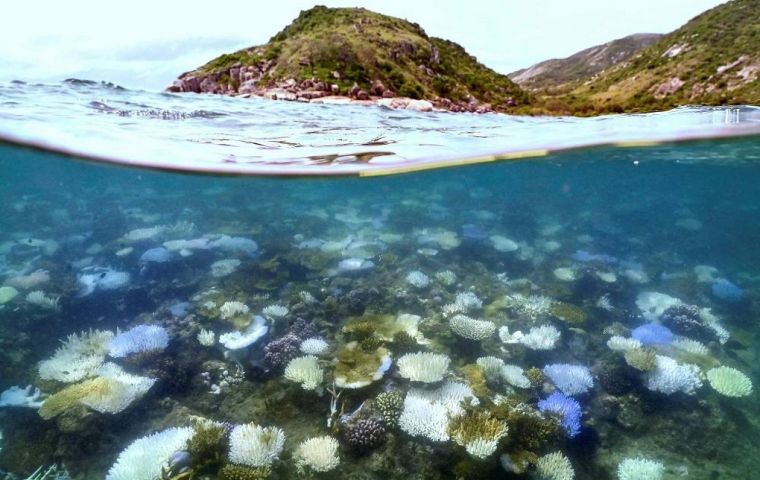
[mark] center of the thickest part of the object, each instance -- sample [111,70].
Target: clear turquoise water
[653,217]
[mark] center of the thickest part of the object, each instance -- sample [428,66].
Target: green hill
[714,59]
[358,53]
[565,73]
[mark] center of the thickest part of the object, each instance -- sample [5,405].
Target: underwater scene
[592,314]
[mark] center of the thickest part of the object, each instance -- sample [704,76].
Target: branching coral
[479,432]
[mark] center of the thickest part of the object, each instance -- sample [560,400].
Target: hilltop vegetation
[714,59]
[561,75]
[356,52]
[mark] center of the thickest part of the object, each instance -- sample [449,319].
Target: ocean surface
[588,307]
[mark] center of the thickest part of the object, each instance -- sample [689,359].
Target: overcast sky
[147,43]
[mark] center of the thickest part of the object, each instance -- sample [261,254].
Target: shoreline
[314,91]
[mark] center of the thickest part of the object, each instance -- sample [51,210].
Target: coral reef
[365,434]
[319,454]
[145,457]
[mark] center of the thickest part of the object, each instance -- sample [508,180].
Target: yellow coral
[74,394]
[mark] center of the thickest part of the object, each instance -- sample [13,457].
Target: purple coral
[569,379]
[652,334]
[567,408]
[303,329]
[279,352]
[366,434]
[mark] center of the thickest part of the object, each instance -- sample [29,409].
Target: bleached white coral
[425,367]
[515,376]
[140,234]
[124,389]
[255,446]
[275,311]
[451,395]
[471,328]
[306,371]
[532,306]
[319,454]
[39,299]
[143,458]
[622,344]
[207,338]
[509,338]
[426,413]
[463,303]
[669,376]
[21,397]
[421,418]
[691,346]
[554,466]
[495,370]
[222,268]
[713,322]
[541,338]
[314,346]
[238,340]
[481,447]
[142,338]
[654,304]
[492,367]
[233,309]
[78,358]
[417,279]
[446,277]
[729,382]
[640,469]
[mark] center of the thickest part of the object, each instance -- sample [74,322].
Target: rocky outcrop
[357,56]
[243,81]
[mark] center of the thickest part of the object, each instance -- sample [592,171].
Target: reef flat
[591,315]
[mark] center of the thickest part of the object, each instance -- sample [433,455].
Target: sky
[145,44]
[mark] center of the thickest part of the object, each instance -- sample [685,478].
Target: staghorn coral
[79,357]
[479,432]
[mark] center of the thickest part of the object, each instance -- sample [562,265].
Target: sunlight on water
[218,133]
